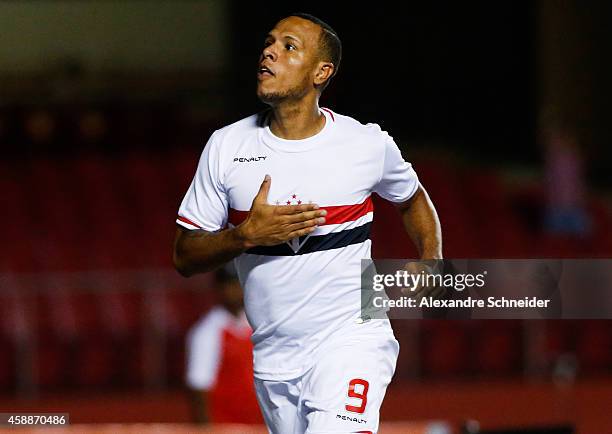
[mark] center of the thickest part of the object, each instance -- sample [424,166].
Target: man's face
[288,62]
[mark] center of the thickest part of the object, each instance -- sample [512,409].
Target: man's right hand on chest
[268,225]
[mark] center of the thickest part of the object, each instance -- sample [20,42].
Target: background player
[220,361]
[299,239]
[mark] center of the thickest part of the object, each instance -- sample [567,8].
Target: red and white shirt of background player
[220,362]
[301,297]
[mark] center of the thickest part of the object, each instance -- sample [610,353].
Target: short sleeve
[205,205]
[203,354]
[398,181]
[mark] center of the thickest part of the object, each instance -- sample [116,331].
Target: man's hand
[199,251]
[421,289]
[268,225]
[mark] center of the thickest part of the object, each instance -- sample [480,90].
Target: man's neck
[296,120]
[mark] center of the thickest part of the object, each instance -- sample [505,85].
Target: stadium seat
[497,347]
[445,348]
[594,347]
[442,182]
[500,232]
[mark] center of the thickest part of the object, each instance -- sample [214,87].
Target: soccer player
[286,194]
[220,359]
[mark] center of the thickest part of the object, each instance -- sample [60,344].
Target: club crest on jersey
[297,242]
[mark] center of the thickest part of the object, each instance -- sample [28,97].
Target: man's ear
[324,71]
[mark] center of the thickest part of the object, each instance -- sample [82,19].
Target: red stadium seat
[560,340]
[7,366]
[444,186]
[501,233]
[95,363]
[445,348]
[594,347]
[10,337]
[497,347]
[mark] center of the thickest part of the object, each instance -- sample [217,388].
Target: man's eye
[267,43]
[290,47]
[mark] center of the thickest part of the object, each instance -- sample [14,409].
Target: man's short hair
[330,45]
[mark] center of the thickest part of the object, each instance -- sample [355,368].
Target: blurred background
[502,107]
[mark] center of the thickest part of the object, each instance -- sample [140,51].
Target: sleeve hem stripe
[189,222]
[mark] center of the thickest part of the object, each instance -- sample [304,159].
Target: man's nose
[269,53]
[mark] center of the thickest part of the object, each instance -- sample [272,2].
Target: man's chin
[269,97]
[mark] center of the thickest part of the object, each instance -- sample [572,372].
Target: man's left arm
[400,185]
[422,224]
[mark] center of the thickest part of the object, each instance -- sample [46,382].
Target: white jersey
[302,294]
[204,345]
